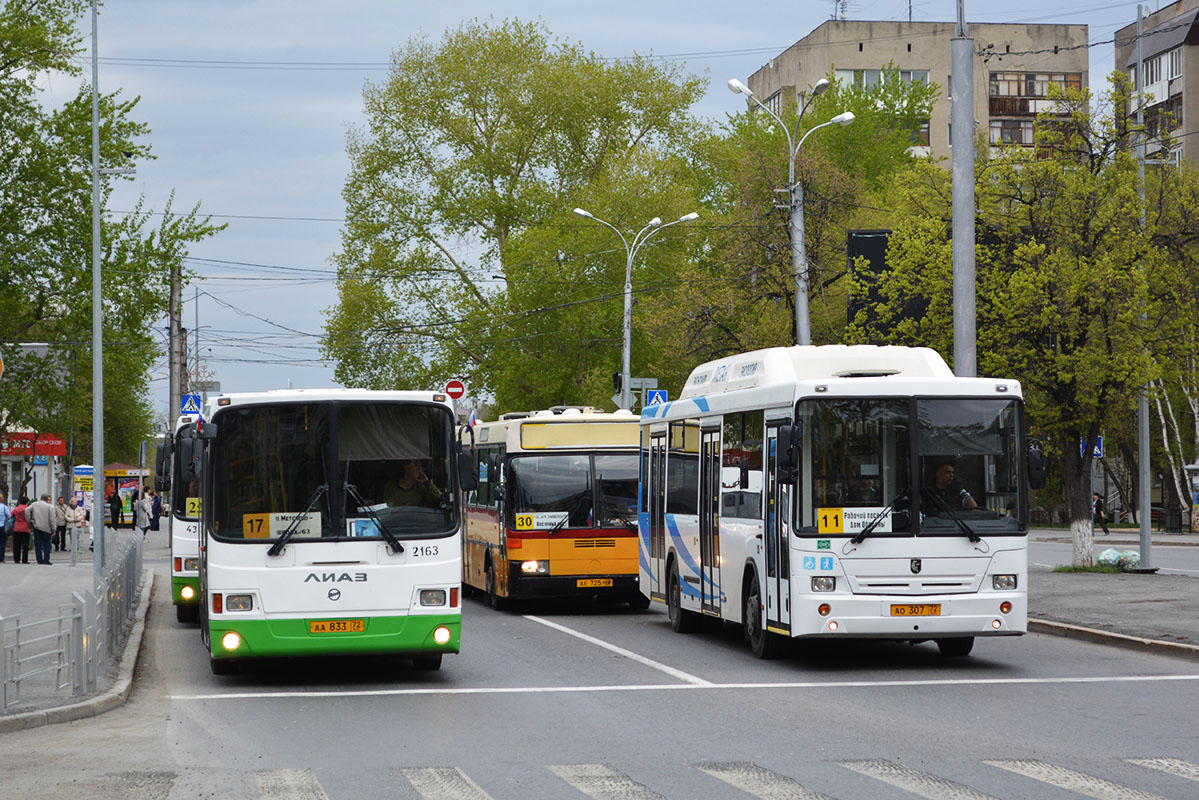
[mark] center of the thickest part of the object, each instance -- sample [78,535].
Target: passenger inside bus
[412,487]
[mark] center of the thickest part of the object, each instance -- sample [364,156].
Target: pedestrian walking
[5,525]
[114,505]
[1098,514]
[21,531]
[141,511]
[41,519]
[60,524]
[76,517]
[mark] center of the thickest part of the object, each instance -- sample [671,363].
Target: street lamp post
[799,255]
[652,227]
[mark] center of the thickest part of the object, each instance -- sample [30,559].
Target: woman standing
[21,532]
[141,508]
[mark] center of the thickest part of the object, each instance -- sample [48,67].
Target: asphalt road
[609,703]
[1169,559]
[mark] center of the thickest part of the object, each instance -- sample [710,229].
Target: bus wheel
[187,613]
[639,602]
[493,599]
[956,647]
[223,666]
[430,663]
[681,620]
[761,641]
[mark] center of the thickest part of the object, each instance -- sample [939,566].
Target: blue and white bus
[838,491]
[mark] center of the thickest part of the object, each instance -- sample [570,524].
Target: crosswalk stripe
[601,782]
[443,783]
[289,784]
[931,787]
[1070,780]
[759,781]
[1173,766]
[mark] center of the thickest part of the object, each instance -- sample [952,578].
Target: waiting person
[1098,513]
[41,519]
[951,493]
[60,524]
[115,505]
[141,511]
[5,523]
[155,509]
[412,488]
[21,531]
[76,517]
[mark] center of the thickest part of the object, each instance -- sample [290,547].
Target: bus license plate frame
[916,610]
[320,626]
[593,583]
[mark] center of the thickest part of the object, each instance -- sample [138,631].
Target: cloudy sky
[249,101]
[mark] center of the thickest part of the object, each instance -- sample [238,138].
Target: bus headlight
[824,583]
[1003,582]
[191,564]
[535,567]
[441,634]
[239,602]
[187,593]
[432,597]
[231,640]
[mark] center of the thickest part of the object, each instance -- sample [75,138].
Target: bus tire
[427,663]
[223,666]
[493,598]
[762,642]
[187,613]
[957,647]
[639,602]
[681,620]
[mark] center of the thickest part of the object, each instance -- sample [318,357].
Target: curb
[106,701]
[1154,646]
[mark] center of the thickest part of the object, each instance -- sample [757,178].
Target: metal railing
[72,650]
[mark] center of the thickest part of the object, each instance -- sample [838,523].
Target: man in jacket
[41,519]
[5,514]
[60,524]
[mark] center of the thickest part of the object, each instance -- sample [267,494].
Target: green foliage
[45,245]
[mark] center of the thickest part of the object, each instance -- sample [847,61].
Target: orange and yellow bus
[555,511]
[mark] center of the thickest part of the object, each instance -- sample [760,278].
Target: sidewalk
[34,592]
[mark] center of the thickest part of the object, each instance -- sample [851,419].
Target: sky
[249,102]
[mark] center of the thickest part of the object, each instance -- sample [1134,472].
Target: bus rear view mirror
[162,467]
[788,453]
[467,479]
[1035,461]
[189,458]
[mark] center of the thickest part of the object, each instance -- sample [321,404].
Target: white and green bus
[178,481]
[330,524]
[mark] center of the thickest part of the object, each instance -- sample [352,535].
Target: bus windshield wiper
[392,542]
[874,523]
[278,546]
[962,526]
[610,507]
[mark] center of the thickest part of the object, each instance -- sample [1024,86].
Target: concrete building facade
[1010,81]
[1170,50]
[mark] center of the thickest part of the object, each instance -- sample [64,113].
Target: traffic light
[617,381]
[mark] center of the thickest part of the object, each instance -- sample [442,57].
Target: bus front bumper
[876,616]
[534,587]
[271,638]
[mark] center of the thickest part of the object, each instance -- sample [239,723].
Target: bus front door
[778,562]
[657,515]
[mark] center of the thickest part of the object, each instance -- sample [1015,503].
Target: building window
[920,134]
[1175,57]
[1031,84]
[872,77]
[1153,70]
[1011,131]
[775,102]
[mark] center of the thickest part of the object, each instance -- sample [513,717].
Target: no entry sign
[455,389]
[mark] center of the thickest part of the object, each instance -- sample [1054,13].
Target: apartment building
[1010,81]
[1170,50]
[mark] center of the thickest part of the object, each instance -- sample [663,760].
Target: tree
[474,152]
[45,243]
[1075,295]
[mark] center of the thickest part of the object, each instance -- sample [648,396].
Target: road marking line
[759,781]
[911,780]
[1173,766]
[1073,781]
[289,784]
[602,782]
[443,783]
[649,662]
[665,687]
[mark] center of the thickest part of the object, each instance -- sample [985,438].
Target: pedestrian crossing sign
[190,404]
[656,397]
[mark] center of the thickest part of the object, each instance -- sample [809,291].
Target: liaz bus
[838,491]
[178,481]
[554,514]
[330,524]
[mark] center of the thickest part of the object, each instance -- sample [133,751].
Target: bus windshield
[574,490]
[903,466]
[185,489]
[332,470]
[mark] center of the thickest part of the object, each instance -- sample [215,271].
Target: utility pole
[1145,514]
[965,354]
[98,499]
[177,346]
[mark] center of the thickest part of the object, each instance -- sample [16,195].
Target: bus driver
[412,488]
[951,493]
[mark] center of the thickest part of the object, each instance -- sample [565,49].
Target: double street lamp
[652,227]
[799,256]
